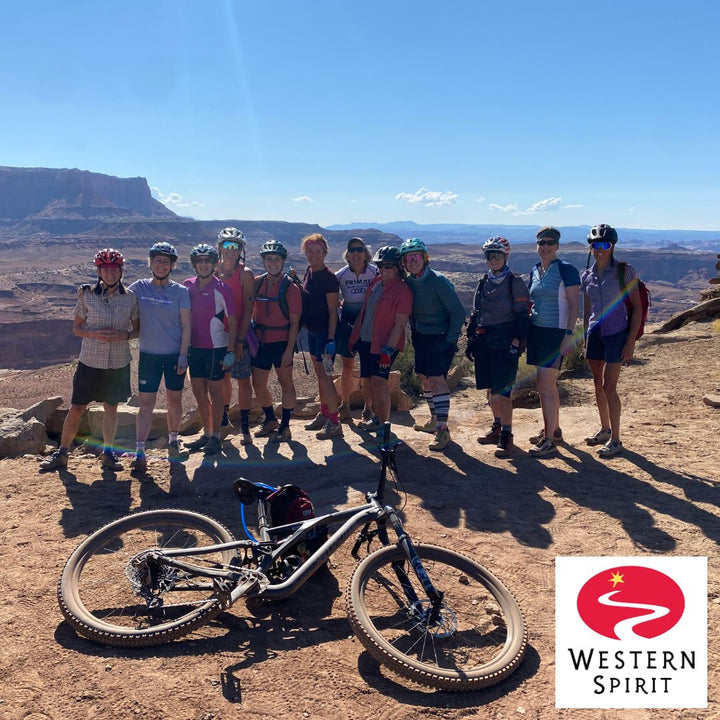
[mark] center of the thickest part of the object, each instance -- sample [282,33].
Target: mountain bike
[431,614]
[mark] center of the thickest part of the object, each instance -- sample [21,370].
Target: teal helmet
[203,250]
[412,245]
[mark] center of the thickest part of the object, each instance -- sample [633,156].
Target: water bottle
[328,364]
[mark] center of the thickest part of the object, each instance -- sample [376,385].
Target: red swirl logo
[628,602]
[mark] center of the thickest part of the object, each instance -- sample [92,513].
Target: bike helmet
[602,232]
[496,244]
[232,234]
[387,254]
[412,245]
[109,258]
[273,247]
[203,250]
[165,249]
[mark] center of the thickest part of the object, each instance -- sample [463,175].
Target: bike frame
[267,550]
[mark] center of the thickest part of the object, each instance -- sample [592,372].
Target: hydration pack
[645,300]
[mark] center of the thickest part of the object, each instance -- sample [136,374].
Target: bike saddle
[248,492]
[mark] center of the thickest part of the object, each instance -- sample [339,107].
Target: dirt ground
[298,659]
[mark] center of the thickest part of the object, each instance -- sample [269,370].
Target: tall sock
[324,410]
[442,408]
[269,413]
[245,421]
[286,414]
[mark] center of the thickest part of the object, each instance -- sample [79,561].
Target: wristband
[387,350]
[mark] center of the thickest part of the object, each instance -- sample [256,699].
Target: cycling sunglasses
[541,243]
[387,265]
[356,249]
[601,245]
[230,245]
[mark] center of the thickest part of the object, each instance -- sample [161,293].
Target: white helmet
[232,234]
[496,244]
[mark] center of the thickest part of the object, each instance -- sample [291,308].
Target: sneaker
[213,445]
[246,439]
[267,428]
[491,437]
[371,425]
[442,438]
[176,451]
[57,461]
[429,427]
[198,444]
[282,434]
[537,439]
[110,461]
[544,448]
[331,430]
[344,412]
[505,445]
[599,438]
[366,415]
[139,464]
[610,449]
[317,424]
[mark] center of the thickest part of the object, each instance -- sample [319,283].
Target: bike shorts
[269,355]
[605,347]
[543,346]
[494,369]
[342,336]
[370,364]
[433,354]
[152,368]
[206,363]
[241,367]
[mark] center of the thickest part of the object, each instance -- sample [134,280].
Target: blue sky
[326,111]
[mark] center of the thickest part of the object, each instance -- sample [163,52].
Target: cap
[550,232]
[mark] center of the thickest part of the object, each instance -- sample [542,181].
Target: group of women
[501,325]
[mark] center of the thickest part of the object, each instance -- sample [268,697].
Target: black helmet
[602,232]
[273,247]
[203,250]
[387,254]
[163,248]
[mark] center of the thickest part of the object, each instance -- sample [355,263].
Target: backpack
[472,322]
[645,300]
[290,504]
[280,298]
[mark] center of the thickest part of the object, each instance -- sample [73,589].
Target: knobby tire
[97,598]
[479,641]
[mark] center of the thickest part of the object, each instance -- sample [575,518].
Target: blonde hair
[314,238]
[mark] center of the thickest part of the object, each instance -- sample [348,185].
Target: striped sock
[430,401]
[442,408]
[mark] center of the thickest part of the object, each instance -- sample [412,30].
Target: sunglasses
[356,249]
[387,265]
[230,246]
[495,256]
[601,245]
[541,243]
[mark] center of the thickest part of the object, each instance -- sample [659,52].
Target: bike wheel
[478,639]
[99,593]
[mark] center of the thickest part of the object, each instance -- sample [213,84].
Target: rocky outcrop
[74,194]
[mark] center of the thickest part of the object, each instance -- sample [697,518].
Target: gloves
[228,360]
[386,356]
[330,348]
[182,364]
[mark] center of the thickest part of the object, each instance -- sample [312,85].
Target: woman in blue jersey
[554,292]
[355,278]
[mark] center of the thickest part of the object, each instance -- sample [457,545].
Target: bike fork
[434,595]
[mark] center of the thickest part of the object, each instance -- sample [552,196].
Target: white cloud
[551,203]
[430,198]
[572,206]
[302,199]
[505,208]
[632,209]
[480,199]
[173,198]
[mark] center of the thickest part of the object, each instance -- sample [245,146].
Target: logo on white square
[631,632]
